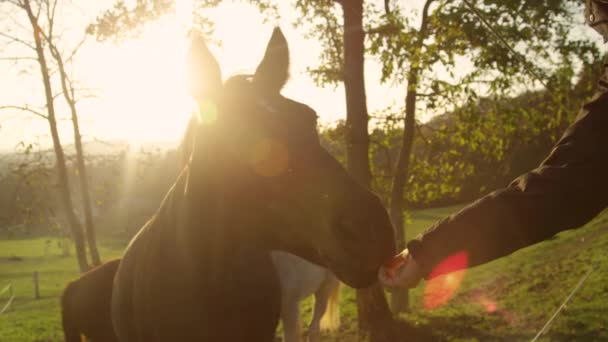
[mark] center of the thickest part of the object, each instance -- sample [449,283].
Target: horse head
[262,153]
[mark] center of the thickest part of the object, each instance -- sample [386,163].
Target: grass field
[507,300]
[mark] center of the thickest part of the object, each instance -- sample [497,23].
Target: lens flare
[445,280]
[269,158]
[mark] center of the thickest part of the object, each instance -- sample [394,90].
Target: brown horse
[85,305]
[257,179]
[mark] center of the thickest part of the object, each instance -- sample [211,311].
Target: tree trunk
[357,138]
[400,297]
[373,311]
[84,188]
[68,94]
[62,173]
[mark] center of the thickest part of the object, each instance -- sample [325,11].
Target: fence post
[36,287]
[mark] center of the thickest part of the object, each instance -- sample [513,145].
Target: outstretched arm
[566,191]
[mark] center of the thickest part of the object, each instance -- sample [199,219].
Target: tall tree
[399,297]
[37,43]
[373,312]
[344,62]
[52,120]
[69,94]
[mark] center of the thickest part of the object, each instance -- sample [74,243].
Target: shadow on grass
[444,328]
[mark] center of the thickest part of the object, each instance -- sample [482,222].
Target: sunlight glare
[445,280]
[207,112]
[144,83]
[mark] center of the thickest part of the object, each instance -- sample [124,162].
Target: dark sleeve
[566,191]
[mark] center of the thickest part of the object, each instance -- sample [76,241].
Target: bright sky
[140,84]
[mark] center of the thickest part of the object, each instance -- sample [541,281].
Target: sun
[144,96]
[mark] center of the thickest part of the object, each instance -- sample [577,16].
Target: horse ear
[204,74]
[273,70]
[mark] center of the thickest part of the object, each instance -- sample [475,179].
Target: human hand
[402,271]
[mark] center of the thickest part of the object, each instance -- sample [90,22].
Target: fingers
[401,272]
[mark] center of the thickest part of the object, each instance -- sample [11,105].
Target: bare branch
[49,17]
[103,142]
[25,109]
[13,19]
[52,17]
[18,58]
[14,3]
[85,96]
[16,40]
[76,48]
[38,12]
[59,94]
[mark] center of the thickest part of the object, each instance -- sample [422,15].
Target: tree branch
[427,94]
[14,3]
[76,49]
[38,13]
[425,21]
[12,17]
[17,58]
[25,109]
[17,40]
[50,13]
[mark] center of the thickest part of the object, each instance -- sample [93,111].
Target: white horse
[300,279]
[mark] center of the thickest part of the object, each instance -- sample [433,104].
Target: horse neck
[220,216]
